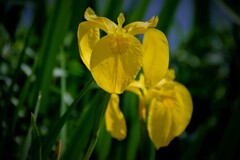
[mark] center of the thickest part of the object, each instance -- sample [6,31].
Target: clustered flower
[115,60]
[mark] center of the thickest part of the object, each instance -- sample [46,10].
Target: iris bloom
[115,59]
[166,108]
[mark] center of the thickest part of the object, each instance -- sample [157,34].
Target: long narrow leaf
[78,141]
[97,125]
[53,134]
[53,38]
[63,105]
[167,14]
[36,142]
[28,139]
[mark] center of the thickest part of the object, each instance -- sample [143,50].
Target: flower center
[118,45]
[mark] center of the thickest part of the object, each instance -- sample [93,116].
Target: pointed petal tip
[89,12]
[121,19]
[153,21]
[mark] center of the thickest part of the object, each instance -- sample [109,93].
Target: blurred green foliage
[40,57]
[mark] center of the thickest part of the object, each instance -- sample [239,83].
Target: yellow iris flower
[166,108]
[115,59]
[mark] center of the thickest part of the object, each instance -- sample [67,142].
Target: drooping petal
[155,56]
[169,116]
[87,39]
[159,124]
[114,119]
[100,22]
[183,111]
[115,62]
[135,28]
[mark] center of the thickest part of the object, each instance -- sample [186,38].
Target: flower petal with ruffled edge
[136,28]
[100,22]
[168,116]
[87,39]
[183,112]
[114,119]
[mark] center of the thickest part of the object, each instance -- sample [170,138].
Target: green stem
[97,126]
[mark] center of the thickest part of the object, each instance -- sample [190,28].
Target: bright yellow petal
[135,87]
[155,56]
[138,86]
[170,74]
[169,116]
[100,22]
[141,27]
[159,124]
[115,62]
[87,39]
[114,119]
[183,109]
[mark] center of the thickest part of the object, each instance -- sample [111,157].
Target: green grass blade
[167,14]
[36,142]
[27,142]
[79,139]
[63,106]
[147,150]
[97,125]
[53,38]
[53,134]
[130,109]
[113,10]
[140,11]
[103,146]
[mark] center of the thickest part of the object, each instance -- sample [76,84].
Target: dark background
[204,38]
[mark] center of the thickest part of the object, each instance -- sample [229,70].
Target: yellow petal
[141,27]
[114,119]
[135,87]
[183,111]
[120,20]
[115,62]
[155,56]
[100,22]
[87,39]
[169,116]
[170,74]
[159,124]
[138,87]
